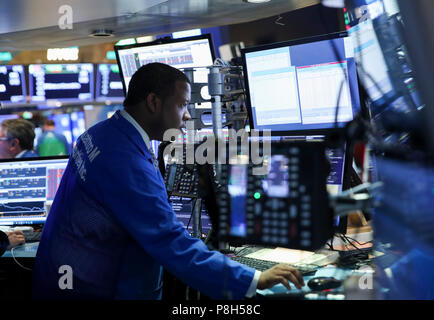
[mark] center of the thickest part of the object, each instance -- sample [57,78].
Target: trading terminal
[331,171]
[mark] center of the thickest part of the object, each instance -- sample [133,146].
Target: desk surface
[27,250]
[328,271]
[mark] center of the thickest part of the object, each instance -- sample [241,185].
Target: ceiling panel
[33,24]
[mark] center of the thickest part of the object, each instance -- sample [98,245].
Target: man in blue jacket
[111,229]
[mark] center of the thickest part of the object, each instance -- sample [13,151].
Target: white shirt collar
[19,155]
[142,132]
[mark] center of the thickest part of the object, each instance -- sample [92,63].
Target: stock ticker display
[25,187]
[61,82]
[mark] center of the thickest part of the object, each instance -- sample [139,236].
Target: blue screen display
[303,86]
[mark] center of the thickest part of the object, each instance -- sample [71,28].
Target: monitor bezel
[306,40]
[161,41]
[63,100]
[34,159]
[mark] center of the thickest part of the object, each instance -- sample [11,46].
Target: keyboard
[262,265]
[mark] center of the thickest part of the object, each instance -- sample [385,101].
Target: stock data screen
[109,83]
[302,86]
[61,82]
[26,186]
[183,208]
[196,52]
[12,84]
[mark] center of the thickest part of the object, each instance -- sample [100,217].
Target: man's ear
[153,102]
[14,144]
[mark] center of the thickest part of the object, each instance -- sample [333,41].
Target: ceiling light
[110,55]
[126,42]
[145,39]
[71,53]
[256,1]
[333,3]
[5,56]
[101,33]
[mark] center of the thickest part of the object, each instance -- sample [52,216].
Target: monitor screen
[335,181]
[385,72]
[109,83]
[192,52]
[12,84]
[62,122]
[95,114]
[307,84]
[61,82]
[337,164]
[183,209]
[78,124]
[26,186]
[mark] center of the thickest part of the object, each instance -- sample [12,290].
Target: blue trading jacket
[111,222]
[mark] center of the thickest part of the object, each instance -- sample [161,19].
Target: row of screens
[304,85]
[60,82]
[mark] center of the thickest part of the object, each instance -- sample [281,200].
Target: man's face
[174,109]
[6,147]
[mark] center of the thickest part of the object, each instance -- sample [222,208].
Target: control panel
[181,180]
[286,206]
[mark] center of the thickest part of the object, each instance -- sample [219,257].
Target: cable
[16,261]
[192,210]
[360,244]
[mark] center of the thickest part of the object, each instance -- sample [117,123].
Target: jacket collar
[132,132]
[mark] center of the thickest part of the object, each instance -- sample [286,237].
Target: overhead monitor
[61,83]
[12,84]
[109,83]
[302,85]
[26,186]
[191,52]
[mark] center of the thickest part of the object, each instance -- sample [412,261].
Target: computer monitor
[301,85]
[4,117]
[382,61]
[109,83]
[26,187]
[12,84]
[95,114]
[191,52]
[338,179]
[51,83]
[183,210]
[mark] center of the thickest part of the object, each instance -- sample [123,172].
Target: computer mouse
[323,283]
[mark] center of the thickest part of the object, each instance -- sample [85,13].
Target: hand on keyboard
[16,238]
[280,273]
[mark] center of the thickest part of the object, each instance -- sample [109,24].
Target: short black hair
[21,129]
[158,78]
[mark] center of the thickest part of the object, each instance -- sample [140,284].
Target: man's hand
[16,238]
[281,273]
